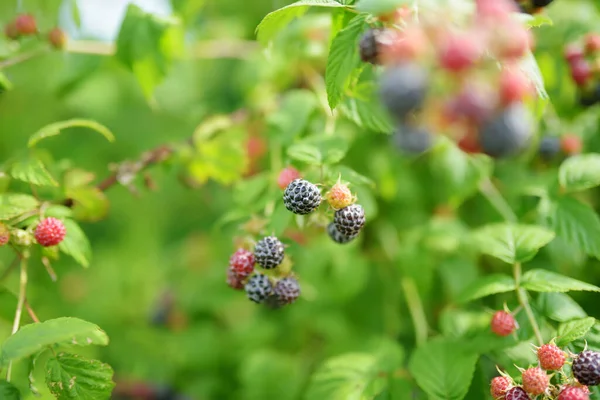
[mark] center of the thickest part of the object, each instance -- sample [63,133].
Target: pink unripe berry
[50,232]
[581,71]
[286,176]
[57,38]
[535,381]
[551,357]
[4,235]
[407,46]
[574,393]
[514,86]
[499,386]
[571,144]
[339,196]
[513,42]
[458,52]
[234,281]
[26,25]
[503,323]
[494,9]
[573,52]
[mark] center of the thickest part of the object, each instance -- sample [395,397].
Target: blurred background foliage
[213,343]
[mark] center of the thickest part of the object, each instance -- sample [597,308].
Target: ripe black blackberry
[507,133]
[269,252]
[258,288]
[586,368]
[368,46]
[301,197]
[350,220]
[549,147]
[402,89]
[337,236]
[287,290]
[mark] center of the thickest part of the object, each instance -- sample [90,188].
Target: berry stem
[524,302]
[20,303]
[9,62]
[415,308]
[491,193]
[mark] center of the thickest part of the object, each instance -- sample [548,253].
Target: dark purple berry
[301,197]
[507,133]
[517,393]
[412,140]
[287,290]
[337,236]
[541,3]
[403,89]
[349,220]
[374,42]
[259,288]
[549,147]
[586,368]
[269,252]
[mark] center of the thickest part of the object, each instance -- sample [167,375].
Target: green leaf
[343,59]
[70,376]
[32,338]
[443,370]
[5,84]
[559,307]
[147,45]
[30,169]
[576,223]
[8,391]
[573,330]
[56,128]
[540,280]
[344,377]
[365,110]
[275,21]
[580,172]
[76,243]
[534,21]
[491,284]
[530,67]
[31,376]
[379,7]
[512,243]
[14,204]
[319,150]
[293,115]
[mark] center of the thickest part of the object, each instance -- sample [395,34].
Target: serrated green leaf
[8,391]
[539,280]
[512,243]
[378,7]
[76,243]
[280,219]
[491,284]
[57,127]
[32,362]
[559,307]
[275,21]
[32,338]
[344,377]
[343,59]
[573,330]
[580,172]
[30,169]
[365,109]
[576,223]
[72,377]
[14,204]
[443,370]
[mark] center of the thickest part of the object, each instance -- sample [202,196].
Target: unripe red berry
[10,31]
[242,263]
[494,9]
[581,72]
[514,86]
[26,25]
[535,381]
[592,43]
[499,387]
[286,176]
[50,232]
[340,196]
[57,38]
[470,143]
[234,281]
[551,357]
[574,393]
[503,323]
[4,235]
[571,144]
[407,47]
[573,52]
[458,52]
[513,42]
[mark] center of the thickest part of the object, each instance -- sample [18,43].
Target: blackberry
[549,147]
[507,133]
[586,368]
[269,252]
[412,140]
[517,393]
[287,290]
[349,220]
[541,3]
[258,288]
[368,46]
[402,89]
[337,236]
[301,197]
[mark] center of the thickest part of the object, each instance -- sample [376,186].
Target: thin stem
[31,313]
[415,308]
[20,303]
[22,58]
[524,302]
[491,193]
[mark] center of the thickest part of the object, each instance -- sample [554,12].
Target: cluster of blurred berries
[583,58]
[25,25]
[465,83]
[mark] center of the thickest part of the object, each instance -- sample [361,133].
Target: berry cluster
[438,78]
[535,381]
[584,63]
[25,25]
[551,147]
[48,232]
[532,6]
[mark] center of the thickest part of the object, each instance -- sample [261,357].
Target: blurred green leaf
[34,337]
[559,307]
[365,110]
[343,59]
[580,172]
[279,220]
[379,7]
[275,21]
[14,204]
[319,149]
[443,370]
[486,286]
[8,391]
[30,169]
[512,243]
[71,377]
[539,280]
[75,12]
[56,128]
[89,203]
[534,21]
[293,115]
[267,374]
[31,376]
[76,243]
[573,330]
[5,84]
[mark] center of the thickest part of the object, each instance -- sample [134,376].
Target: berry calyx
[350,220]
[259,288]
[535,381]
[499,386]
[586,368]
[233,280]
[286,176]
[503,323]
[242,263]
[571,144]
[287,290]
[340,196]
[26,24]
[573,393]
[57,38]
[516,393]
[301,197]
[50,232]
[4,235]
[269,252]
[551,357]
